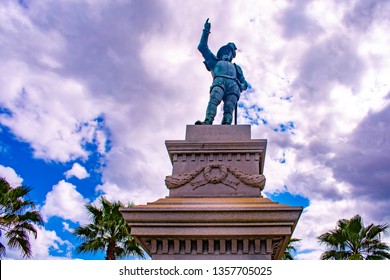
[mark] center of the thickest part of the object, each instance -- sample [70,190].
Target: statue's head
[229,46]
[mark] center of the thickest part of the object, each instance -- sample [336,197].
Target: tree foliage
[108,232]
[290,249]
[17,218]
[351,240]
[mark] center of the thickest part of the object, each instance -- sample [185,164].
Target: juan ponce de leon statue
[215,209]
[228,79]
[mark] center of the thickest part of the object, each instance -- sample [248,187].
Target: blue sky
[90,90]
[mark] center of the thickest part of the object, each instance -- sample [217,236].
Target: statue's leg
[216,95]
[229,104]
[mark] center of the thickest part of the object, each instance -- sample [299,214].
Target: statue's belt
[230,78]
[226,77]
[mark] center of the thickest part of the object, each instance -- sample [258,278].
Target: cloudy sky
[90,91]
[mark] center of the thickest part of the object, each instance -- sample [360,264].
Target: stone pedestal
[214,209]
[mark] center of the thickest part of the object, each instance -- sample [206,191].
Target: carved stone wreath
[176,181]
[215,179]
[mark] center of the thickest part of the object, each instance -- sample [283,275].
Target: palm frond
[108,231]
[2,250]
[351,240]
[18,217]
[18,238]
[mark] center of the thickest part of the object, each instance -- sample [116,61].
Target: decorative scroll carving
[257,181]
[176,181]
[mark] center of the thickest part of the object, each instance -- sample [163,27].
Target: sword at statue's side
[235,115]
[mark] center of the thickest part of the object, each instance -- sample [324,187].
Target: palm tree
[350,240]
[108,232]
[17,218]
[289,249]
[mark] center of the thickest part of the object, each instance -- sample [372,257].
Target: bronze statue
[228,78]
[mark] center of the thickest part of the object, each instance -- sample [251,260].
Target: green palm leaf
[290,249]
[351,240]
[17,218]
[108,232]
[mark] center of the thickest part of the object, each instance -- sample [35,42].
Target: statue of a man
[228,78]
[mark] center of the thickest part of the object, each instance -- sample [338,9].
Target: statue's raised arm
[228,78]
[203,45]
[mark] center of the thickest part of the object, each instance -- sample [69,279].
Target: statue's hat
[230,46]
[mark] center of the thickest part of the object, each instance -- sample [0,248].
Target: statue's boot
[210,113]
[227,118]
[206,121]
[198,122]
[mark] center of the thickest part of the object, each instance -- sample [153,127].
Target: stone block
[217,133]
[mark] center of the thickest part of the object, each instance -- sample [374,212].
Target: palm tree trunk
[110,255]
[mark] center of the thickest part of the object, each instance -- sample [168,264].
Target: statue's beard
[226,58]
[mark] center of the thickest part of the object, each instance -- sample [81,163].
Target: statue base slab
[213,228]
[215,210]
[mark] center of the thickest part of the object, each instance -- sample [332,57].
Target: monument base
[214,210]
[213,228]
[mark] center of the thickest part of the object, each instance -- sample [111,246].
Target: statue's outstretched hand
[207,25]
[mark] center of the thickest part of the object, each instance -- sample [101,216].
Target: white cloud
[66,227]
[10,176]
[312,255]
[50,109]
[47,241]
[113,192]
[53,114]
[66,202]
[77,171]
[139,181]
